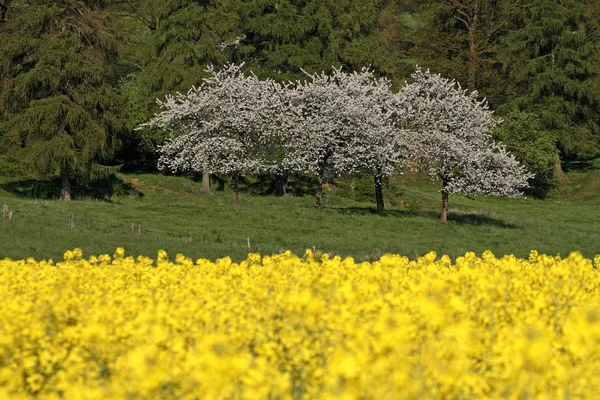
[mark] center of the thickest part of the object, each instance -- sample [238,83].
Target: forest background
[77,77]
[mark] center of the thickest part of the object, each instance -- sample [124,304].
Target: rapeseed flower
[314,327]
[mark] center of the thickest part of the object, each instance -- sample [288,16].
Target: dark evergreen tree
[552,62]
[57,105]
[170,43]
[460,38]
[286,36]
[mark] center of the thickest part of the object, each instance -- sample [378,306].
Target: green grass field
[176,216]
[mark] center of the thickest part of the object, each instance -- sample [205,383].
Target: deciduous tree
[339,124]
[222,126]
[453,139]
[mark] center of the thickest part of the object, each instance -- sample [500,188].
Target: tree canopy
[78,76]
[58,106]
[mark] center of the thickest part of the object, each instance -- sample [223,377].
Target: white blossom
[221,127]
[452,137]
[337,124]
[341,123]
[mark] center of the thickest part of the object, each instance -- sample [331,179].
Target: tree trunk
[558,171]
[280,185]
[321,173]
[379,193]
[473,64]
[319,193]
[65,190]
[234,188]
[206,182]
[444,201]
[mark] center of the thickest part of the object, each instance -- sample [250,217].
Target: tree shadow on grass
[294,185]
[453,217]
[581,166]
[100,189]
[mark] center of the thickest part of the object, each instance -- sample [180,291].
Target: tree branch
[466,20]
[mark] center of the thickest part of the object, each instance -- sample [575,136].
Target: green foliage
[58,112]
[105,189]
[360,188]
[78,76]
[523,135]
[552,59]
[168,47]
[12,167]
[284,37]
[181,38]
[138,151]
[460,39]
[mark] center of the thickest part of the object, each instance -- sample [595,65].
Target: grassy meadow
[172,213]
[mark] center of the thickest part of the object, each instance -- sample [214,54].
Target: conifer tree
[172,44]
[287,36]
[552,61]
[57,107]
[460,39]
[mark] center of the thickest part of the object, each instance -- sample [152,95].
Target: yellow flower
[119,253]
[320,327]
[162,256]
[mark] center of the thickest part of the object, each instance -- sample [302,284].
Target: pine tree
[282,38]
[57,106]
[552,61]
[170,44]
[460,38]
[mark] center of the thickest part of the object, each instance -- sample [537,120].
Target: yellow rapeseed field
[310,327]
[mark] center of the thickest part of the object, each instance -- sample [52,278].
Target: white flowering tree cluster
[452,139]
[342,124]
[222,127]
[335,125]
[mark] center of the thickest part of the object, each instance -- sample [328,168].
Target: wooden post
[132,229]
[70,221]
[10,215]
[249,248]
[4,212]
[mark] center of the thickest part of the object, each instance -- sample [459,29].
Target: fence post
[70,221]
[4,212]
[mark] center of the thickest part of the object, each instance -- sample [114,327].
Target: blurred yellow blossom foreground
[283,326]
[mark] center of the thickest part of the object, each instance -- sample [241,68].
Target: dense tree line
[78,76]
